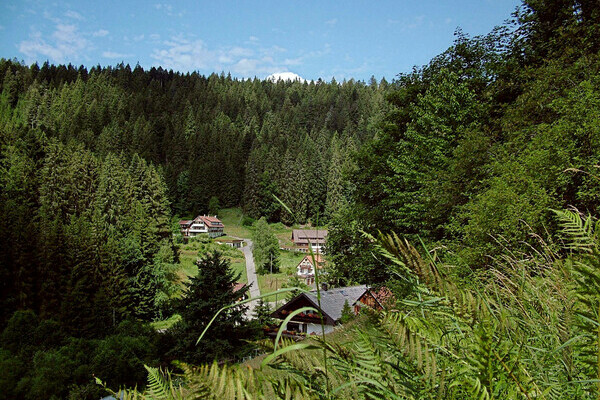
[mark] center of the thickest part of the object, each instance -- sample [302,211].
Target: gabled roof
[198,219]
[332,301]
[318,259]
[304,236]
[309,234]
[211,221]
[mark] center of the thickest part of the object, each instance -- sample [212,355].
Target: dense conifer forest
[468,186]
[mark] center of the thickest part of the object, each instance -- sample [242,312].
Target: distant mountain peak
[285,76]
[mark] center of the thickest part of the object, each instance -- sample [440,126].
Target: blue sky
[315,39]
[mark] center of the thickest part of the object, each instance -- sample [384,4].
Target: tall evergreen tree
[205,294]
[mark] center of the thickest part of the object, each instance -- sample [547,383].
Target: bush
[248,221]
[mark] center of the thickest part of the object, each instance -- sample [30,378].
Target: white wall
[316,329]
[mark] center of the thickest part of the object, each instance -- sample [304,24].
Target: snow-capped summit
[285,76]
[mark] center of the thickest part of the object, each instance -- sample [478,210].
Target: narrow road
[252,278]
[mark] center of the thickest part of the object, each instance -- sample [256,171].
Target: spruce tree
[204,295]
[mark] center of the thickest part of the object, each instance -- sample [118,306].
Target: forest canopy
[470,155]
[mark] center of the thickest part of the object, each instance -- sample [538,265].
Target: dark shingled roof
[332,300]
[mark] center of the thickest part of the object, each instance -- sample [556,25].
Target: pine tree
[205,294]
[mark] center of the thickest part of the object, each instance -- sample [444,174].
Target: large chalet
[305,238]
[332,303]
[202,224]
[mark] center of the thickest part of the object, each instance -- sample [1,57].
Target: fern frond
[579,231]
[158,386]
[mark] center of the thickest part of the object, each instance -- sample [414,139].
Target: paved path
[252,278]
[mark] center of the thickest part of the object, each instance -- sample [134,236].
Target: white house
[202,224]
[306,270]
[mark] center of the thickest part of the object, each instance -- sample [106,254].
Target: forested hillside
[481,144]
[95,164]
[239,140]
[466,166]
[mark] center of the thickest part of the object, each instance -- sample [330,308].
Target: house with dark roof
[303,238]
[202,224]
[332,303]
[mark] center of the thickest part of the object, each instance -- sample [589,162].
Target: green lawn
[188,254]
[232,220]
[271,282]
[290,260]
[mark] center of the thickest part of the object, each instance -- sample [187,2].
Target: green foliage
[205,294]
[347,313]
[262,314]
[294,282]
[506,337]
[265,248]
[39,361]
[468,153]
[214,206]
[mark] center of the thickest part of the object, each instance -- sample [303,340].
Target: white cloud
[183,55]
[64,43]
[253,39]
[74,15]
[100,33]
[311,54]
[111,54]
[285,76]
[332,21]
[187,54]
[138,38]
[154,36]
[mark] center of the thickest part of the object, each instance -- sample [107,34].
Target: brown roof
[306,235]
[238,286]
[318,259]
[185,222]
[210,221]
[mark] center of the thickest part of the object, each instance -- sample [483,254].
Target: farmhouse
[302,238]
[306,270]
[202,224]
[332,303]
